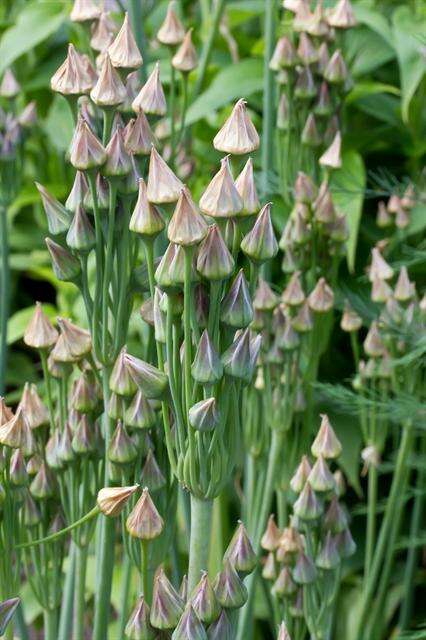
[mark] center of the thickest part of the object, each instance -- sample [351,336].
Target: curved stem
[59,534]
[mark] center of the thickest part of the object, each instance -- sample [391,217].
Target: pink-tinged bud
[328,556]
[350,321]
[408,200]
[43,486]
[384,219]
[103,32]
[306,51]
[151,98]
[284,55]
[65,266]
[163,186]
[221,198]
[326,443]
[304,189]
[121,382]
[221,629]
[336,71]
[230,590]
[284,585]
[321,298]
[6,414]
[102,194]
[303,322]
[303,16]
[81,234]
[138,137]
[73,77]
[84,398]
[65,451]
[167,605]
[40,333]
[18,475]
[28,116]
[138,626]
[144,521]
[9,87]
[189,626]
[271,537]
[246,188]
[332,157]
[323,106]
[185,58]
[335,518]
[236,307]
[124,52]
[317,26]
[380,291]
[345,544]
[34,464]
[58,218]
[118,162]
[146,219]
[30,512]
[78,192]
[204,601]
[204,416]
[150,380]
[84,11]
[109,91]
[7,611]
[151,476]
[310,134]
[86,151]
[207,367]
[264,299]
[373,343]
[320,478]
[293,295]
[240,552]
[58,369]
[269,569]
[112,500]
[77,341]
[260,243]
[324,210]
[304,572]
[214,261]
[342,16]
[238,135]
[239,360]
[305,85]
[83,442]
[33,408]
[187,226]
[379,267]
[171,32]
[298,481]
[308,506]
[404,288]
[140,414]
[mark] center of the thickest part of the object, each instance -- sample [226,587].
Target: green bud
[214,261]
[284,584]
[304,571]
[65,451]
[307,505]
[204,601]
[207,367]
[18,475]
[189,626]
[167,605]
[151,381]
[65,266]
[140,414]
[58,217]
[203,415]
[239,360]
[122,449]
[138,626]
[260,243]
[320,478]
[83,441]
[121,381]
[221,629]
[43,486]
[305,85]
[230,590]
[237,308]
[152,476]
[345,544]
[30,512]
[240,551]
[81,235]
[328,556]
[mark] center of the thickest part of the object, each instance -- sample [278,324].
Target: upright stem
[124,596]
[137,21]
[50,624]
[79,594]
[5,295]
[65,620]
[208,45]
[201,514]
[268,96]
[172,110]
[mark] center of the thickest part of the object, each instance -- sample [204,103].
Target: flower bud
[310,134]
[59,369]
[43,486]
[293,295]
[204,416]
[18,475]
[86,151]
[342,16]
[118,163]
[264,299]
[6,414]
[65,451]
[221,629]
[304,189]
[373,343]
[151,98]
[237,308]
[204,601]
[81,235]
[33,408]
[171,32]
[321,298]
[284,584]
[284,55]
[140,414]
[187,226]
[138,626]
[109,91]
[384,219]
[238,135]
[328,556]
[221,198]
[379,268]
[239,360]
[323,106]
[189,626]
[28,116]
[335,518]
[260,243]
[30,512]
[9,87]
[83,442]
[72,77]
[240,552]
[404,289]
[283,113]
[84,11]
[332,157]
[102,32]
[112,500]
[163,186]
[144,522]
[207,367]
[65,266]
[301,475]
[305,85]
[326,443]
[11,432]
[214,261]
[350,321]
[320,478]
[151,475]
[304,572]
[283,633]
[102,195]
[380,291]
[75,344]
[345,544]
[167,605]
[307,505]
[271,537]
[230,590]
[138,137]
[151,381]
[122,449]
[246,188]
[185,58]
[58,218]
[336,71]
[302,322]
[121,381]
[306,50]
[124,52]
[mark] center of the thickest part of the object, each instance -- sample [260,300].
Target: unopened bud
[124,52]
[230,590]
[144,521]
[58,218]
[151,98]
[238,135]
[167,605]
[326,443]
[112,500]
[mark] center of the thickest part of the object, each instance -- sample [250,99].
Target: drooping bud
[163,186]
[307,505]
[221,629]
[320,478]
[230,590]
[342,16]
[124,52]
[246,187]
[271,538]
[185,58]
[12,432]
[336,71]
[58,218]
[214,261]
[150,380]
[138,626]
[260,243]
[33,408]
[332,157]
[122,449]
[144,522]
[138,138]
[204,416]
[221,198]
[189,626]
[187,226]
[151,98]
[40,333]
[65,266]
[321,298]
[86,151]
[207,367]
[171,32]
[238,135]
[237,308]
[240,552]
[304,571]
[326,443]
[167,605]
[81,234]
[151,476]
[112,500]
[298,481]
[77,341]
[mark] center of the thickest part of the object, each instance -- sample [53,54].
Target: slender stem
[124,596]
[107,125]
[5,294]
[208,45]
[48,383]
[137,21]
[268,96]
[144,568]
[59,534]
[108,268]
[199,546]
[99,258]
[79,594]
[184,108]
[172,110]
[65,620]
[187,327]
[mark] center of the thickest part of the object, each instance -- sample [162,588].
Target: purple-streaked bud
[321,298]
[33,408]
[260,243]
[342,16]
[304,571]
[264,299]
[239,360]
[121,380]
[221,629]
[335,518]
[284,585]
[326,443]
[307,505]
[204,416]
[112,500]
[9,86]
[76,341]
[187,226]
[78,192]
[237,308]
[304,189]
[293,295]
[246,187]
[303,322]
[43,486]
[84,11]
[336,71]
[230,590]
[122,449]
[86,151]
[30,511]
[144,521]
[163,186]
[310,135]
[238,135]
[140,414]
[58,218]
[28,116]
[328,555]
[116,407]
[167,605]
[151,476]
[323,106]
[306,51]
[118,163]
[221,198]
[298,481]
[138,626]
[185,58]
[7,611]
[305,86]
[320,478]
[18,475]
[240,552]
[66,453]
[283,633]
[138,137]
[171,32]
[11,431]
[65,266]
[34,464]
[284,55]
[109,91]
[345,544]
[81,234]
[204,601]
[214,260]
[151,381]
[124,52]
[151,98]
[102,32]
[73,77]
[207,367]
[189,626]
[102,195]
[83,442]
[183,589]
[84,396]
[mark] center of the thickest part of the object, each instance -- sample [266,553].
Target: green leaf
[417,220]
[369,88]
[375,20]
[236,81]
[18,321]
[408,32]
[59,125]
[366,51]
[35,23]
[348,186]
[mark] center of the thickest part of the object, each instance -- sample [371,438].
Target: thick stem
[199,546]
[79,594]
[50,624]
[5,295]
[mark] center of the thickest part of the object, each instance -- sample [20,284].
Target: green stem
[172,110]
[5,295]
[137,21]
[79,595]
[59,534]
[108,268]
[107,125]
[124,596]
[268,96]
[183,108]
[201,513]
[65,620]
[187,328]
[99,259]
[50,624]
[144,569]
[208,46]
[48,383]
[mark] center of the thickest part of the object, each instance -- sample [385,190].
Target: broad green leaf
[35,23]
[408,33]
[59,125]
[375,20]
[242,10]
[348,185]
[236,81]
[366,51]
[18,321]
[349,433]
[417,220]
[369,88]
